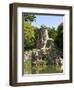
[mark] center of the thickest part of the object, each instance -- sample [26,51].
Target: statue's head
[43,27]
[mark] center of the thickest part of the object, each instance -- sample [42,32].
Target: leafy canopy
[29,36]
[29,17]
[59,37]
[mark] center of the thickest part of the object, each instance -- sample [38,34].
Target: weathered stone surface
[42,37]
[48,53]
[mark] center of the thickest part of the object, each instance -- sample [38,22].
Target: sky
[48,20]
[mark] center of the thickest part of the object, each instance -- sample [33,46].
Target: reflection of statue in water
[43,37]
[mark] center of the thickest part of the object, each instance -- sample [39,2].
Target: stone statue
[45,36]
[43,40]
[42,37]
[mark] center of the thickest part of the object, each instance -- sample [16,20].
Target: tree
[29,18]
[29,31]
[59,37]
[29,36]
[52,32]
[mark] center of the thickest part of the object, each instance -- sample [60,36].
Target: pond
[40,68]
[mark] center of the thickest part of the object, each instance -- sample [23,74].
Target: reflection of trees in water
[41,66]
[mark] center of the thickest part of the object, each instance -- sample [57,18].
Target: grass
[32,69]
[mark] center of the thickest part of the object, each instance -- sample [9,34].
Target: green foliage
[27,66]
[52,32]
[29,17]
[60,27]
[59,37]
[29,32]
[29,36]
[36,30]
